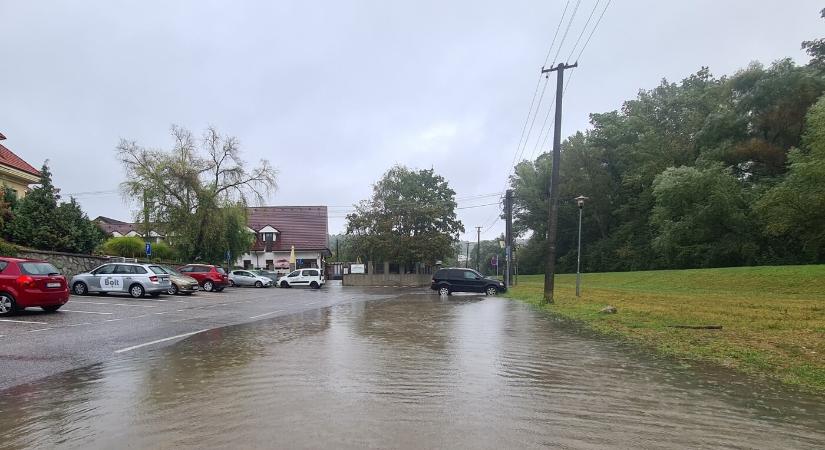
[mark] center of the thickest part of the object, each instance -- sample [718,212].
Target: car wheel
[51,309]
[492,290]
[7,304]
[314,285]
[136,291]
[173,290]
[80,288]
[208,286]
[284,284]
[258,284]
[444,290]
[231,283]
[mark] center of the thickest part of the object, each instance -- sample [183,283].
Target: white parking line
[266,314]
[40,329]
[134,347]
[87,312]
[23,321]
[115,304]
[79,324]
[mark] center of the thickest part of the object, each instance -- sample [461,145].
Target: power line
[569,79]
[594,29]
[590,36]
[567,30]
[517,154]
[555,58]
[584,28]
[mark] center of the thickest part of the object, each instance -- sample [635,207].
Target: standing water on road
[416,371]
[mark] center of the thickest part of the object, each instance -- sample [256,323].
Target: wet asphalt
[94,329]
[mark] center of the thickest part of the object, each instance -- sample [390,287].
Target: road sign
[494,261]
[148,249]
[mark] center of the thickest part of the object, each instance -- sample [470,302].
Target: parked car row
[28,283]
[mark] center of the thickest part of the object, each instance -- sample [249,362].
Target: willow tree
[196,193]
[410,218]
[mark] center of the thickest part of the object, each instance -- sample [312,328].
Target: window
[158,270]
[268,237]
[105,269]
[310,273]
[247,264]
[38,268]
[3,265]
[471,275]
[186,269]
[294,274]
[270,264]
[220,270]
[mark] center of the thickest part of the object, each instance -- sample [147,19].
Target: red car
[28,283]
[211,278]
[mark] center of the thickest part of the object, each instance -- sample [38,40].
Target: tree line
[707,172]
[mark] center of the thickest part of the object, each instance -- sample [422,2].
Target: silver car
[247,278]
[134,279]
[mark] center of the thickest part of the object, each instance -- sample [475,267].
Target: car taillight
[25,281]
[153,279]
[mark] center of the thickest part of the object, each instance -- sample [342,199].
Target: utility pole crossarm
[561,66]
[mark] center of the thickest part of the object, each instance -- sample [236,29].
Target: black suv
[457,279]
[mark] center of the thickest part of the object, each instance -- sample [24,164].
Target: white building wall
[259,258]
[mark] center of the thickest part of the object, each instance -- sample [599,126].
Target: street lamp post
[579,201]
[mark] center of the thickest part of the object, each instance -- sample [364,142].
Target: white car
[313,278]
[247,278]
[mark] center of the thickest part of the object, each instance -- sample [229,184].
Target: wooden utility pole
[467,258]
[478,249]
[553,198]
[508,237]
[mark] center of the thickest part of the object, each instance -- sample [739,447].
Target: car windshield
[170,270]
[158,270]
[38,268]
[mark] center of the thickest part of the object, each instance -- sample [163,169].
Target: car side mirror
[478,277]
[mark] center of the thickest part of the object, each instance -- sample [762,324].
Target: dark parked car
[457,279]
[211,278]
[28,283]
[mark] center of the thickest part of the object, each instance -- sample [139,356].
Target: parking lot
[91,329]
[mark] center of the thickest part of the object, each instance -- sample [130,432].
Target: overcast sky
[334,93]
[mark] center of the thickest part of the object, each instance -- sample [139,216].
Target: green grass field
[773,318]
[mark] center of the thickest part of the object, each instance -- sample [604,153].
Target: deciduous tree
[197,192]
[410,218]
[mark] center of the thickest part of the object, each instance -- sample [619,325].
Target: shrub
[7,249]
[127,246]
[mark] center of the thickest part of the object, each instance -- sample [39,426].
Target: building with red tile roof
[15,172]
[280,228]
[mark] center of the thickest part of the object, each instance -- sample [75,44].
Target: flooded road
[415,371]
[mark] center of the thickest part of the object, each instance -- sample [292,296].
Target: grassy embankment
[773,318]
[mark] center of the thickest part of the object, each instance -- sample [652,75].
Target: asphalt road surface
[93,329]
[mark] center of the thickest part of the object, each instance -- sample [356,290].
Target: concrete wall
[387,279]
[70,264]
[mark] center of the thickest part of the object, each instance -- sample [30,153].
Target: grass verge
[772,318]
